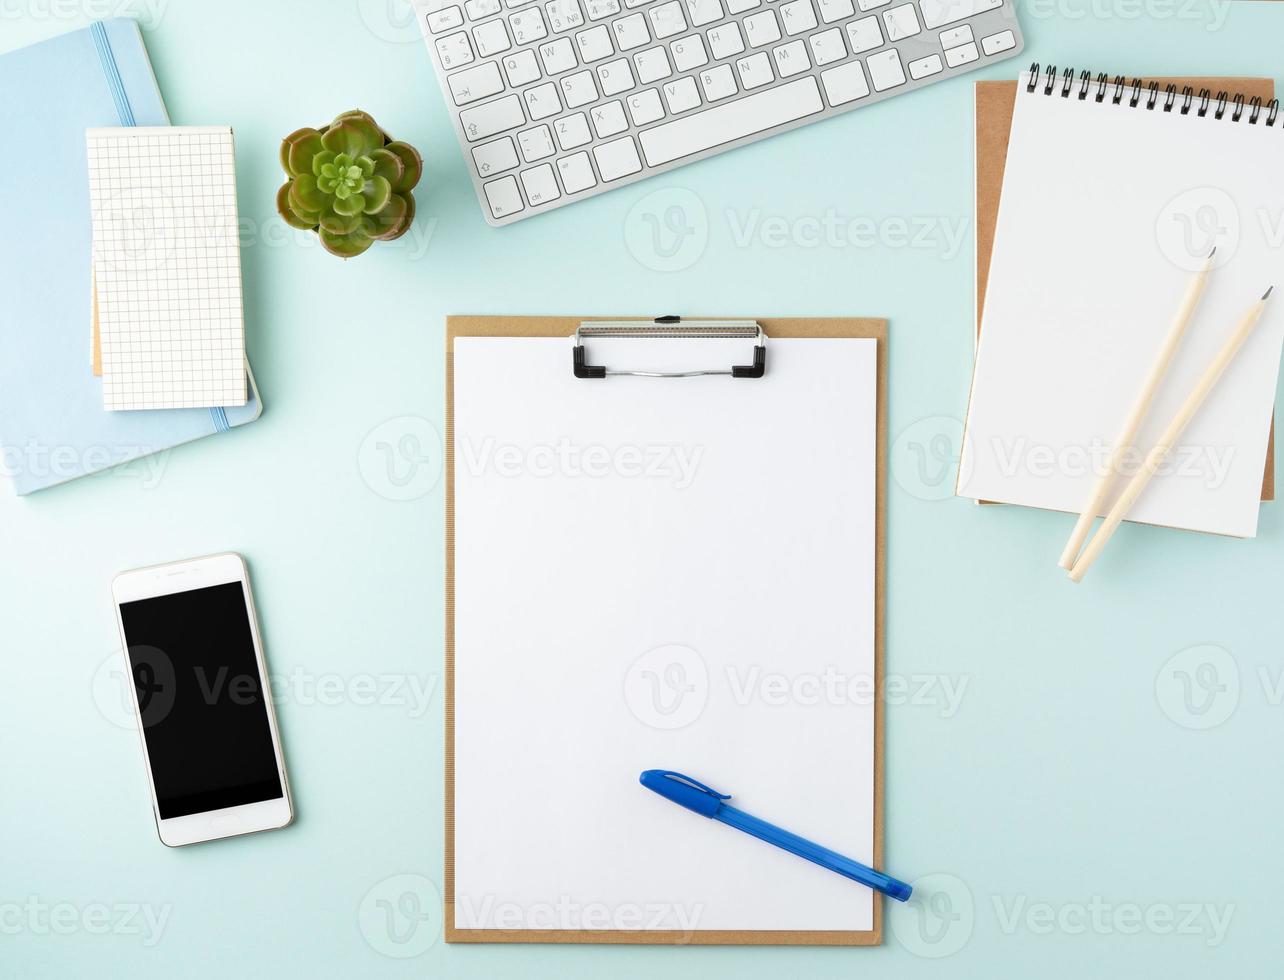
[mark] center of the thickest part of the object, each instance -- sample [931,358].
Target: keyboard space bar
[731,121]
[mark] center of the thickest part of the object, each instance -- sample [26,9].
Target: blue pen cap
[683,790]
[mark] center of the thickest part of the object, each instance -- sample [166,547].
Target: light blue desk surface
[1048,762]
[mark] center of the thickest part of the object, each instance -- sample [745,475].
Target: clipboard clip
[671,326]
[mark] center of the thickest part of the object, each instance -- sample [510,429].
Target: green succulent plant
[349,182]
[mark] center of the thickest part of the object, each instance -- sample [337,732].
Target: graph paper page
[167,267]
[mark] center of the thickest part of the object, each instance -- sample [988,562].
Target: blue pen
[696,796]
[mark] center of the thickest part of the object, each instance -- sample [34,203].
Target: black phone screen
[201,699]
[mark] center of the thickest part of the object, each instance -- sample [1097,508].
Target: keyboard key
[503,197]
[541,185]
[528,25]
[445,19]
[594,44]
[844,84]
[618,159]
[491,38]
[704,12]
[725,40]
[923,67]
[608,119]
[762,28]
[961,55]
[564,14]
[956,36]
[718,83]
[536,143]
[472,84]
[798,17]
[653,64]
[577,173]
[492,117]
[792,58]
[864,35]
[598,9]
[542,101]
[477,9]
[1003,41]
[740,6]
[681,95]
[902,22]
[496,157]
[667,20]
[455,51]
[689,53]
[754,71]
[827,46]
[521,67]
[572,131]
[874,4]
[579,89]
[885,69]
[938,13]
[615,76]
[833,10]
[645,107]
[731,121]
[558,55]
[630,32]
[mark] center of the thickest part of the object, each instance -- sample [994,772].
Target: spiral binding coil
[1137,92]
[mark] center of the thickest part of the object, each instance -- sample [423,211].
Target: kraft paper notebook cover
[995,104]
[609,610]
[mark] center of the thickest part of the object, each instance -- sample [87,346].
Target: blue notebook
[52,424]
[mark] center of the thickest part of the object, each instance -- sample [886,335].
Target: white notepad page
[640,564]
[1106,210]
[167,267]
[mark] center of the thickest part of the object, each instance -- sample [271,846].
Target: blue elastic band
[220,419]
[101,42]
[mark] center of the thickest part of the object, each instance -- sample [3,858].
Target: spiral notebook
[1113,191]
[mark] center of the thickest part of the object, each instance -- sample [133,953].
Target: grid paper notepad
[167,267]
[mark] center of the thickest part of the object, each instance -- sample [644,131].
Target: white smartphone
[202,699]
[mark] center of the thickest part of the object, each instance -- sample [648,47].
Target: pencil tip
[1267,294]
[1213,252]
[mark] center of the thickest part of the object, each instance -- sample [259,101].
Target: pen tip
[1267,295]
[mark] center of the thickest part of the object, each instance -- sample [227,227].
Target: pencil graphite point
[1213,252]
[1267,295]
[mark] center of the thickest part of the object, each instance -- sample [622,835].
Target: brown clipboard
[995,104]
[565,326]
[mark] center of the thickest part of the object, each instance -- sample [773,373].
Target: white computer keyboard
[555,101]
